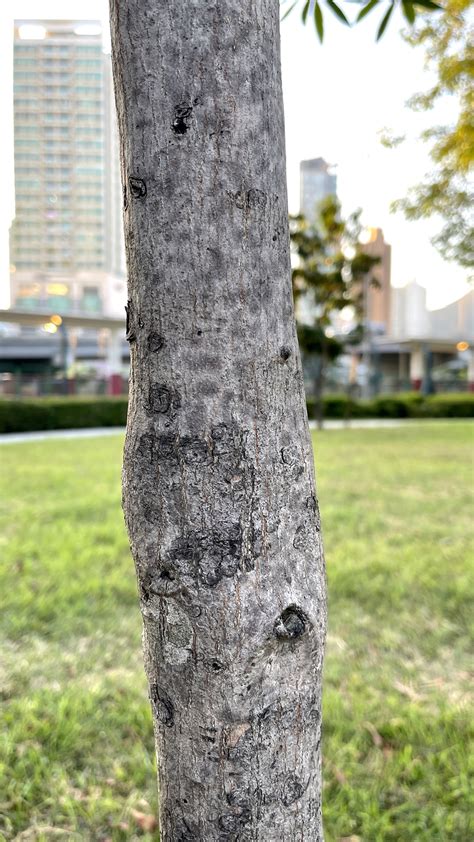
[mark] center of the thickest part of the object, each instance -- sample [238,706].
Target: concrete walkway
[335,424]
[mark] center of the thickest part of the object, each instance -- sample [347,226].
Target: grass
[76,751]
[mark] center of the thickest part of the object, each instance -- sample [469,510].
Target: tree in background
[332,273]
[447,190]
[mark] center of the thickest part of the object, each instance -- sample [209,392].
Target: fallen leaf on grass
[408,691]
[376,739]
[340,776]
[145,821]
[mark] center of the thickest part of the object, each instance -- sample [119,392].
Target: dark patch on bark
[208,556]
[130,333]
[125,198]
[155,342]
[292,789]
[166,447]
[289,455]
[300,539]
[182,115]
[145,447]
[159,582]
[162,706]
[216,666]
[162,399]
[312,506]
[247,199]
[137,187]
[195,451]
[291,624]
[233,822]
[150,511]
[285,353]
[311,503]
[184,832]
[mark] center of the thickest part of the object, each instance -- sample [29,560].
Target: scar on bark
[162,706]
[182,114]
[291,624]
[155,342]
[162,399]
[292,789]
[285,353]
[137,187]
[246,199]
[133,320]
[130,334]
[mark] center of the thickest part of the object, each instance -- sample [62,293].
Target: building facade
[317,180]
[378,301]
[66,240]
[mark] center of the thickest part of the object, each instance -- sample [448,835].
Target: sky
[338,97]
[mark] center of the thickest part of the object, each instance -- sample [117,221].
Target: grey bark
[218,483]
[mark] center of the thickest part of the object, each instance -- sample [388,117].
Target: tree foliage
[313,10]
[448,190]
[332,266]
[332,273]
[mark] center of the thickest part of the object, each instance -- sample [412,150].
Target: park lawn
[76,750]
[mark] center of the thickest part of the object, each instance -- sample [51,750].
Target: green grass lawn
[76,751]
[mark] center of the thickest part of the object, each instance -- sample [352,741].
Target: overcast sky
[338,97]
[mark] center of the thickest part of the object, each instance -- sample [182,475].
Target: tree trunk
[218,482]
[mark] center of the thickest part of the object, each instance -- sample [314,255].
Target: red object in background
[416,384]
[471,386]
[115,384]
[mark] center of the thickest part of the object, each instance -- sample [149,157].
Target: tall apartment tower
[66,239]
[317,180]
[378,302]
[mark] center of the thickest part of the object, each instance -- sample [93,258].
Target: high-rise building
[317,180]
[66,239]
[379,297]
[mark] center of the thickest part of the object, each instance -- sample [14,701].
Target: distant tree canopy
[448,189]
[332,273]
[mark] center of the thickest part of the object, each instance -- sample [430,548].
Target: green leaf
[290,9]
[428,4]
[368,8]
[385,21]
[305,11]
[408,11]
[337,11]
[318,20]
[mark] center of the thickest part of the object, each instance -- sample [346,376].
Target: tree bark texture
[218,482]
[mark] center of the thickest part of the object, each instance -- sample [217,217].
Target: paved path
[44,435]
[359,424]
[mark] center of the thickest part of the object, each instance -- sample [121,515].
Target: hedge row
[25,415]
[19,416]
[404,405]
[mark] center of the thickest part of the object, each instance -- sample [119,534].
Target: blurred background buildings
[317,180]
[66,239]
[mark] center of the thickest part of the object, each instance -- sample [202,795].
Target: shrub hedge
[405,405]
[25,415]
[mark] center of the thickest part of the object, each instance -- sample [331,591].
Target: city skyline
[361,159]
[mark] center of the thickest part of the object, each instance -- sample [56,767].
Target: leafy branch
[312,10]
